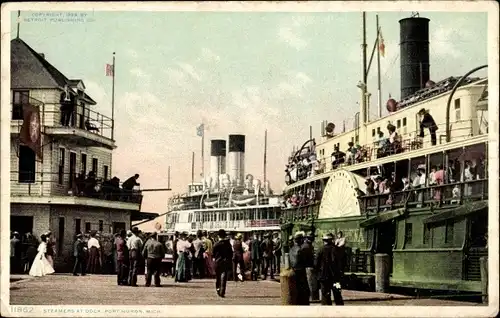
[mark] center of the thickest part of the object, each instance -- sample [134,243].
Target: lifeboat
[244,200]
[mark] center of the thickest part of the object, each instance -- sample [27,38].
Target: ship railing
[28,183]
[406,142]
[300,212]
[82,118]
[435,195]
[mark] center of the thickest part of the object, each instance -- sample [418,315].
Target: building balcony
[45,188]
[84,127]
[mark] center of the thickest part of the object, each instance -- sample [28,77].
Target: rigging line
[391,65]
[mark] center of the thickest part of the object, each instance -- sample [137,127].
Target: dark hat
[79,235]
[266,235]
[422,111]
[221,233]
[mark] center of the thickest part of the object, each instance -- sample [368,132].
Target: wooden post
[483,261]
[382,271]
[288,287]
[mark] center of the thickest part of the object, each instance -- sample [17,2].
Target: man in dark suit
[267,247]
[255,255]
[223,255]
[277,253]
[328,269]
[15,253]
[298,263]
[121,258]
[79,255]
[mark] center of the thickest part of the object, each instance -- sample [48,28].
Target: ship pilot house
[61,173]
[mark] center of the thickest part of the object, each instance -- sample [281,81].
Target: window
[352,139]
[398,123]
[373,132]
[84,164]
[404,122]
[78,226]
[27,165]
[408,233]
[87,227]
[19,99]
[457,109]
[448,238]
[101,226]
[94,166]
[105,172]
[62,153]
[357,139]
[427,233]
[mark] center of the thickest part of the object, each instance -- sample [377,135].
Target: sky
[239,73]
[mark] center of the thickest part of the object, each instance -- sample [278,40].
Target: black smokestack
[236,143]
[218,148]
[414,54]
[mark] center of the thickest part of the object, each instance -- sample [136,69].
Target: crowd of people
[29,255]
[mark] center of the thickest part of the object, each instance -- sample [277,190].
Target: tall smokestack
[217,160]
[414,54]
[236,159]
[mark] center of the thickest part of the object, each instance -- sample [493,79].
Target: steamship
[422,200]
[228,199]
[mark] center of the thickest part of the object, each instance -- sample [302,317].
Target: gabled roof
[28,69]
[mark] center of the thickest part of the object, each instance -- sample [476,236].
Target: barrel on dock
[382,271]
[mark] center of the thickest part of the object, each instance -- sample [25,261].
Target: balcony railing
[408,142]
[438,195]
[81,118]
[27,183]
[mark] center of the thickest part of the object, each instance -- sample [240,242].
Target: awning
[382,217]
[459,211]
[139,216]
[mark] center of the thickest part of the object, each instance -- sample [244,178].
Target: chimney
[42,55]
[236,159]
[414,54]
[217,160]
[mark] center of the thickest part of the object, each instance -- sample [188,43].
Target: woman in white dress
[41,265]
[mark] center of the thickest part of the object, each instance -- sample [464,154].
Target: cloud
[288,35]
[441,43]
[138,72]
[189,69]
[131,53]
[208,55]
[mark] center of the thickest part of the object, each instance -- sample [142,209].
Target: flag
[200,130]
[381,45]
[30,134]
[109,70]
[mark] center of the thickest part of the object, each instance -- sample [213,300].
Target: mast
[379,84]
[113,100]
[192,169]
[265,157]
[363,109]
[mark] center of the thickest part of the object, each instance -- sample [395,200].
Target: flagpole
[18,22]
[265,157]
[192,169]
[113,101]
[203,155]
[379,84]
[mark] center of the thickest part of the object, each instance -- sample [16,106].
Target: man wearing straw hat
[328,269]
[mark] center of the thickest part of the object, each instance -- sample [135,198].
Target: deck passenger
[130,183]
[338,157]
[351,153]
[427,121]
